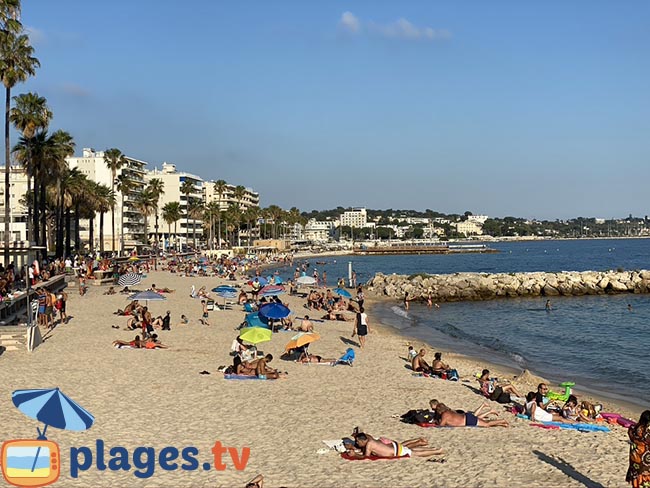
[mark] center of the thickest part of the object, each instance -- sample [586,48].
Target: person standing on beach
[406,300]
[360,296]
[638,473]
[361,327]
[204,317]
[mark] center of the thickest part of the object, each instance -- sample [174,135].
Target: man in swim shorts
[391,449]
[451,418]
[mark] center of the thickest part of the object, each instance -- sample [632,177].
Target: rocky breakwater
[484,286]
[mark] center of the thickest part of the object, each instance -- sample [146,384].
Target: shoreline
[618,403]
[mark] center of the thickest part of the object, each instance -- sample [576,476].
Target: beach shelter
[255,335]
[129,279]
[302,339]
[342,292]
[224,288]
[254,320]
[275,311]
[225,293]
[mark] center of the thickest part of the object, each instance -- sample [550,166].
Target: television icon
[30,463]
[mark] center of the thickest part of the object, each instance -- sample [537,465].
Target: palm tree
[220,187]
[144,203]
[9,15]
[171,213]
[196,211]
[156,186]
[114,160]
[30,116]
[105,201]
[212,210]
[234,217]
[17,63]
[124,185]
[250,215]
[187,188]
[274,213]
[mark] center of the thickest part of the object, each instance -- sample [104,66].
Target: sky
[505,108]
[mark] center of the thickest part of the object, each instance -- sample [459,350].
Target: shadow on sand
[567,469]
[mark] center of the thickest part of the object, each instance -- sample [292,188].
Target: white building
[172,182]
[478,219]
[468,228]
[92,164]
[18,211]
[357,218]
[249,198]
[319,230]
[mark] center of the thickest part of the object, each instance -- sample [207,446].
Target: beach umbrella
[301,339]
[147,296]
[271,290]
[306,280]
[133,259]
[224,288]
[53,408]
[129,279]
[342,292]
[262,281]
[253,319]
[255,335]
[274,311]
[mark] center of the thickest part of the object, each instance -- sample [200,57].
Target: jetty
[428,248]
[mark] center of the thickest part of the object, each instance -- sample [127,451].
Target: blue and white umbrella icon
[53,408]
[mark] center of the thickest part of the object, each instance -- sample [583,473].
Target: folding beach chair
[347,358]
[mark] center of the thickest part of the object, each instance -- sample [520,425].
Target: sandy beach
[158,398]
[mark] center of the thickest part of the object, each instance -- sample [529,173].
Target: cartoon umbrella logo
[53,408]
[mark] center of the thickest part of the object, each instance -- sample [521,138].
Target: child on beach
[411,354]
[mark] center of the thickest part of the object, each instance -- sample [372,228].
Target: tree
[196,210]
[156,187]
[187,188]
[212,210]
[114,160]
[124,185]
[171,213]
[17,63]
[220,187]
[105,201]
[30,116]
[144,203]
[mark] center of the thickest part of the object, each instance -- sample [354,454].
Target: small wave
[398,311]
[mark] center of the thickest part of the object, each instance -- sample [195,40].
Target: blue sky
[531,109]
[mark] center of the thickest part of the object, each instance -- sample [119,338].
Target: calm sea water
[599,342]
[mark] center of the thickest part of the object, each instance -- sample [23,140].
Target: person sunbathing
[154,343]
[245,368]
[161,290]
[305,357]
[391,449]
[135,343]
[495,391]
[110,291]
[129,309]
[537,413]
[446,417]
[484,410]
[438,366]
[242,298]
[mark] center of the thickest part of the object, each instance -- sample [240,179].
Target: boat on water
[423,248]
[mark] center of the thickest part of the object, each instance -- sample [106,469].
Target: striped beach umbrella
[53,408]
[271,290]
[129,279]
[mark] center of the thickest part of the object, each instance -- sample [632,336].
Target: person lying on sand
[129,309]
[483,412]
[305,357]
[161,290]
[154,343]
[135,343]
[390,449]
[446,417]
[110,291]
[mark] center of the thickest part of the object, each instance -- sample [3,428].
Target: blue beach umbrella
[52,407]
[147,296]
[224,288]
[274,311]
[342,292]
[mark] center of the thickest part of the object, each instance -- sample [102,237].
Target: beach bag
[418,417]
[452,375]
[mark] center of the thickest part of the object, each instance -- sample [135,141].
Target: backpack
[452,375]
[418,417]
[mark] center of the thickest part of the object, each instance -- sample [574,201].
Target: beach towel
[243,377]
[578,427]
[617,418]
[345,455]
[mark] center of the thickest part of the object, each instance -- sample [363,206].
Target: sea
[602,343]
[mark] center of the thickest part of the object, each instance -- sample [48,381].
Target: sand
[158,399]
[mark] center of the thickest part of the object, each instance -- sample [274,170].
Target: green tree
[17,64]
[171,213]
[105,200]
[187,188]
[125,186]
[144,203]
[114,160]
[157,189]
[220,187]
[30,116]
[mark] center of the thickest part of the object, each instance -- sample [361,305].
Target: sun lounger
[347,358]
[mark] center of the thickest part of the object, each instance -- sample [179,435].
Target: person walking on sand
[204,317]
[361,327]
